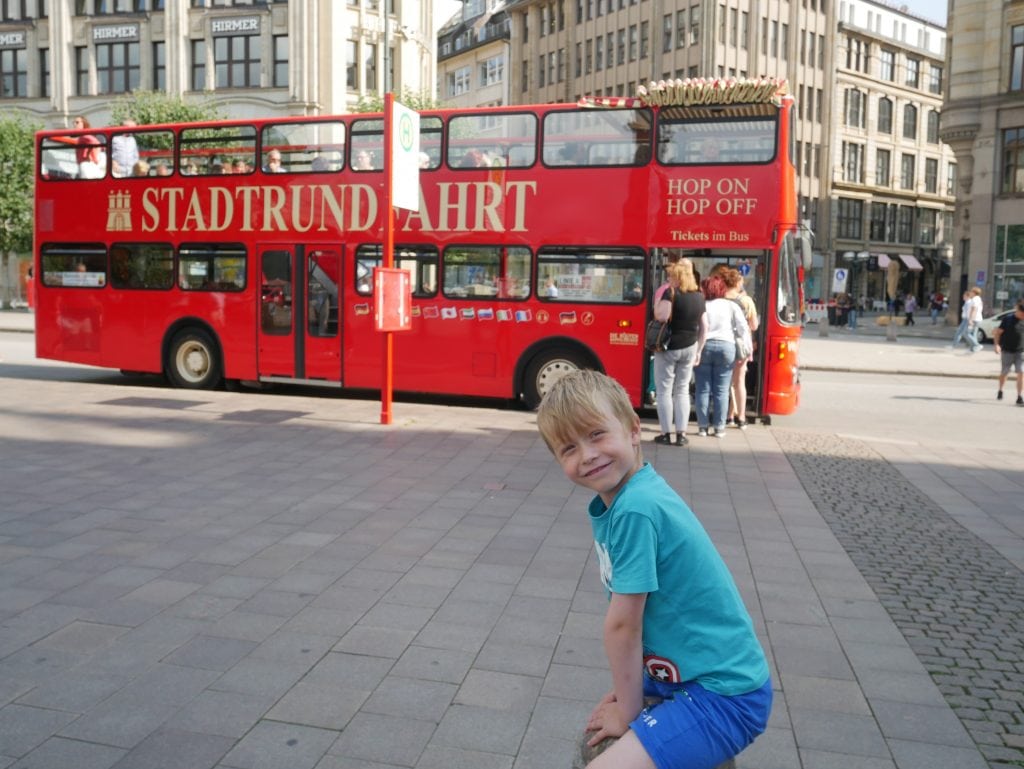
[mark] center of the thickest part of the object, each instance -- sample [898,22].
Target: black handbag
[659,332]
[658,336]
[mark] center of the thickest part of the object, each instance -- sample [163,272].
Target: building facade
[473,56]
[983,121]
[892,178]
[559,50]
[60,58]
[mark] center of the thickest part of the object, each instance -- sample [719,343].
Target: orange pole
[388,258]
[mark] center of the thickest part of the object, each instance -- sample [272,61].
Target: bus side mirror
[805,248]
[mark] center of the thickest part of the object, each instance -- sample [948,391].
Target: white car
[986,326]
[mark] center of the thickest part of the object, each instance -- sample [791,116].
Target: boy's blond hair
[580,400]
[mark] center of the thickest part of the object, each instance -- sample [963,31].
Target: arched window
[933,126]
[909,121]
[885,115]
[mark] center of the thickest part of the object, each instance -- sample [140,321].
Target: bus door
[299,333]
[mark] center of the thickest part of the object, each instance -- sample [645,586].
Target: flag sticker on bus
[430,312]
[567,318]
[449,313]
[485,313]
[468,313]
[504,315]
[361,309]
[523,316]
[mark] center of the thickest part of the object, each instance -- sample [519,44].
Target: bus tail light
[623,323]
[784,350]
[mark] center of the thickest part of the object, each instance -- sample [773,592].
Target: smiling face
[602,455]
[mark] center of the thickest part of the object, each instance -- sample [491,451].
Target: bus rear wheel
[193,361]
[546,369]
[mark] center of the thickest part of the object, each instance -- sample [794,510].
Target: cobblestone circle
[957,601]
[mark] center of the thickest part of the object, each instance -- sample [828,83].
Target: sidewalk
[219,580]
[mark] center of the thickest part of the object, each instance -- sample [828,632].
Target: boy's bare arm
[623,643]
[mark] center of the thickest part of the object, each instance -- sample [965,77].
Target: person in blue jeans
[713,373]
[676,631]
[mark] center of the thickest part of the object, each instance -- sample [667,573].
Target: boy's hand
[606,720]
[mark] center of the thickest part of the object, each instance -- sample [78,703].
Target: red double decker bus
[244,250]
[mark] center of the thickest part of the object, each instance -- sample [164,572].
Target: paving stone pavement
[955,598]
[229,581]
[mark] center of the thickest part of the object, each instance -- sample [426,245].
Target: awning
[883,261]
[911,261]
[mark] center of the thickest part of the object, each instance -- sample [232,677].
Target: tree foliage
[150,107]
[17,180]
[408,98]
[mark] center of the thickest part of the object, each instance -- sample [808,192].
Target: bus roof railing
[697,92]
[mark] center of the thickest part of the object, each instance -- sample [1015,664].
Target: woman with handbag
[726,324]
[681,307]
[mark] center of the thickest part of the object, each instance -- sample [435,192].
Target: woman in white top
[738,390]
[718,356]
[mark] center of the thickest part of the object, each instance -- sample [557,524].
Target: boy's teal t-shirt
[695,623]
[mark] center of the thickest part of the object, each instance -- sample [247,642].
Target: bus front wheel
[546,369]
[192,360]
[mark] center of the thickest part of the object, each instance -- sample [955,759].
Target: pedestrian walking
[909,307]
[676,629]
[970,315]
[935,303]
[1009,346]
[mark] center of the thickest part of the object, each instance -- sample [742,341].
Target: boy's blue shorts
[693,728]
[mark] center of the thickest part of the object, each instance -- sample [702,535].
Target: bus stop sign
[393,299]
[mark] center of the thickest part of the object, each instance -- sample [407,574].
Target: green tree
[408,98]
[150,107]
[17,180]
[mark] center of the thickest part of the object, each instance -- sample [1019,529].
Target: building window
[885,115]
[281,61]
[634,42]
[524,80]
[492,71]
[198,65]
[883,163]
[44,72]
[1013,161]
[459,81]
[1017,58]
[887,65]
[909,121]
[621,57]
[14,73]
[680,29]
[853,162]
[694,24]
[876,227]
[645,36]
[905,225]
[599,53]
[117,67]
[935,80]
[82,70]
[370,66]
[744,29]
[236,61]
[927,224]
[933,126]
[951,179]
[854,108]
[851,218]
[931,175]
[352,66]
[773,43]
[159,65]
[913,72]
[907,172]
[666,33]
